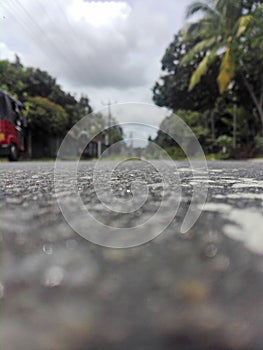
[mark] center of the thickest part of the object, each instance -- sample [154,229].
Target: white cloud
[5,52]
[109,50]
[99,13]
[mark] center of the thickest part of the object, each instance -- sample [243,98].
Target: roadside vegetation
[49,109]
[213,78]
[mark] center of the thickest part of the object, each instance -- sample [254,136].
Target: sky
[108,50]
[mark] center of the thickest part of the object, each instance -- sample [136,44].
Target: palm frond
[243,24]
[200,29]
[221,5]
[200,6]
[201,69]
[227,72]
[202,46]
[193,29]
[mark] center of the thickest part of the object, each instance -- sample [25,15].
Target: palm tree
[222,21]
[228,29]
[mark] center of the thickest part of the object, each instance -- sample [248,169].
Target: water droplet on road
[127,192]
[53,276]
[48,248]
[210,250]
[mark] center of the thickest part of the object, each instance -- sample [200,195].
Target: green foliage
[259,141]
[227,71]
[214,67]
[45,116]
[201,69]
[12,77]
[175,153]
[116,135]
[38,83]
[225,112]
[221,23]
[233,30]
[259,144]
[170,131]
[24,83]
[172,89]
[249,77]
[224,141]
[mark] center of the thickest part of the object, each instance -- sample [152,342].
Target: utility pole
[108,104]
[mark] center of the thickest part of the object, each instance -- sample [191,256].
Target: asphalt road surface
[202,289]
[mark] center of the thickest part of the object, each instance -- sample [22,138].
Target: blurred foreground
[200,290]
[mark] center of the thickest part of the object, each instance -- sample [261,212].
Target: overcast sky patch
[109,50]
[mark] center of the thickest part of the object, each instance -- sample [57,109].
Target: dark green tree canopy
[31,82]
[172,89]
[214,66]
[44,116]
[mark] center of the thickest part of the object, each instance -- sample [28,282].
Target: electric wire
[34,29]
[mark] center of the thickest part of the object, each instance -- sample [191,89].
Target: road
[202,289]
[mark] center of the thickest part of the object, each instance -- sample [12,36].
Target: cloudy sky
[109,50]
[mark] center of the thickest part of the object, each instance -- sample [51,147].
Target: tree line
[49,109]
[213,77]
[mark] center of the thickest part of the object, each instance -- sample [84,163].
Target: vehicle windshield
[3,106]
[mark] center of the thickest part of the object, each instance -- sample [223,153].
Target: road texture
[198,290]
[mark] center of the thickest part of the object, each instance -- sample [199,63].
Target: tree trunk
[257,102]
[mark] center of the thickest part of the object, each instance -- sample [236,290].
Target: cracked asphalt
[199,290]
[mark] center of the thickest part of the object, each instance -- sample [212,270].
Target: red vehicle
[12,127]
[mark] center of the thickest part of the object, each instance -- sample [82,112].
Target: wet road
[198,290]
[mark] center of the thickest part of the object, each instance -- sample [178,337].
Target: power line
[29,16]
[57,26]
[22,23]
[51,18]
[17,4]
[58,3]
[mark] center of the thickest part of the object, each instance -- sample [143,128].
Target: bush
[46,116]
[224,141]
[175,153]
[259,144]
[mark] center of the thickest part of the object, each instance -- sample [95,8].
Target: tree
[74,109]
[214,33]
[38,83]
[172,90]
[84,105]
[31,82]
[46,117]
[12,77]
[226,30]
[248,52]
